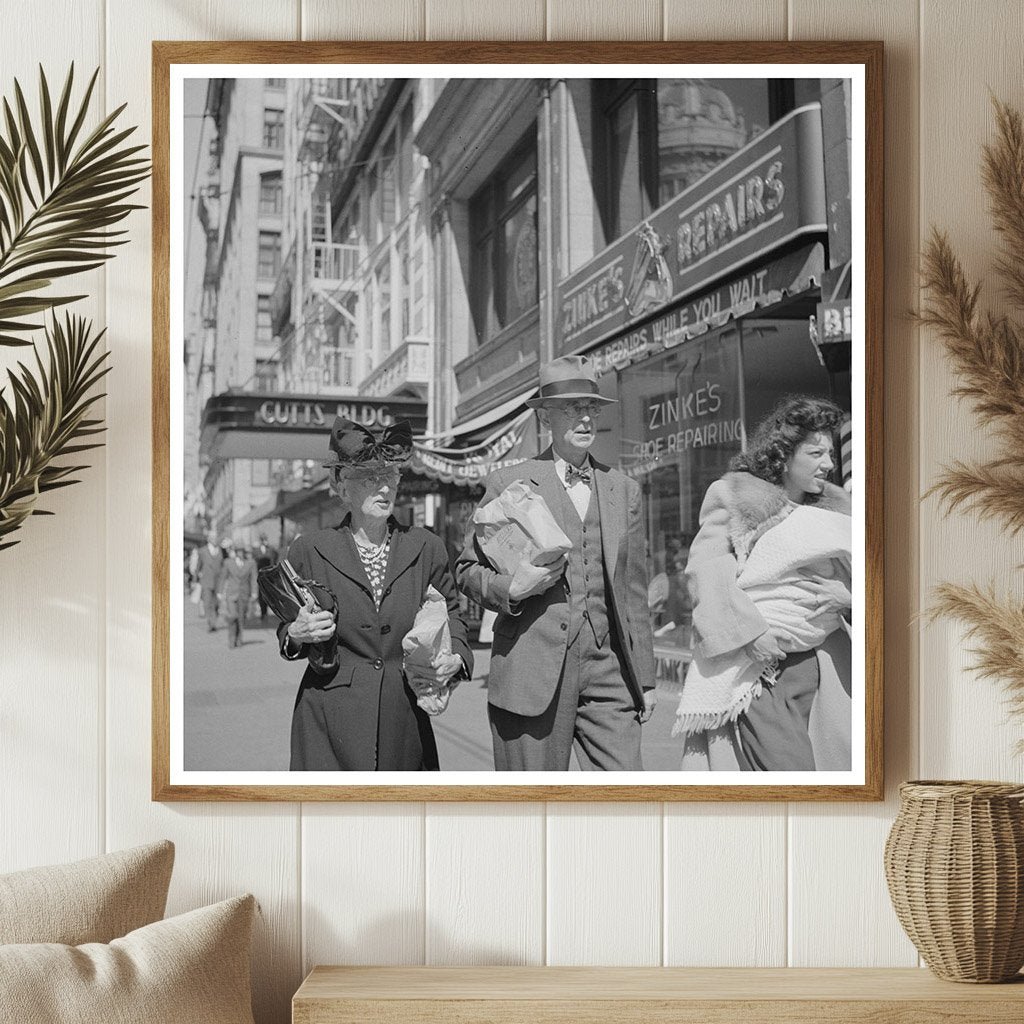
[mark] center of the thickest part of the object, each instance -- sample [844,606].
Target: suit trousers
[210,606]
[774,730]
[592,711]
[234,611]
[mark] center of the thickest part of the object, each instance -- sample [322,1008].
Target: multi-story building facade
[692,236]
[238,208]
[441,238]
[352,308]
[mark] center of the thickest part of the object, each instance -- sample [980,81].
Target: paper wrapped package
[429,638]
[518,527]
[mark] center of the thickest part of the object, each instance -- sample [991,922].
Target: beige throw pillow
[92,900]
[188,969]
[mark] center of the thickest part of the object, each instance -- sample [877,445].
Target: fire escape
[327,269]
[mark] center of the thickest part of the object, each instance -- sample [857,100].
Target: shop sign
[258,411]
[699,415]
[833,323]
[766,194]
[743,294]
[474,467]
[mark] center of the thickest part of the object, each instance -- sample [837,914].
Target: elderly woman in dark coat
[770,575]
[362,714]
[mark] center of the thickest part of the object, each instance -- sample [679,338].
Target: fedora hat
[353,445]
[568,377]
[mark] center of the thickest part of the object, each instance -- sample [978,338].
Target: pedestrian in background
[209,563]
[265,556]
[237,588]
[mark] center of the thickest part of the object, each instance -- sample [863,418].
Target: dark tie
[572,474]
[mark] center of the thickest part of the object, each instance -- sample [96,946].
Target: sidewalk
[238,706]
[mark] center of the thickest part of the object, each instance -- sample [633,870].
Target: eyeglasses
[579,408]
[374,477]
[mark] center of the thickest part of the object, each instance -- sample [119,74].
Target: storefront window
[703,121]
[503,229]
[662,135]
[628,204]
[778,360]
[681,423]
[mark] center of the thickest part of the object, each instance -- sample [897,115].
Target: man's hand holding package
[529,580]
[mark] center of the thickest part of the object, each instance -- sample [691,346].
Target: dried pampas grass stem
[987,354]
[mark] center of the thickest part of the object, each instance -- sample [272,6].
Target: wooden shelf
[647,995]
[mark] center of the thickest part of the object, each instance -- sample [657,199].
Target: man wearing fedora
[572,662]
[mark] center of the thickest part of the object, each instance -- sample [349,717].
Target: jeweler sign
[767,193]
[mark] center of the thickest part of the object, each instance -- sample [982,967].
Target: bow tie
[572,474]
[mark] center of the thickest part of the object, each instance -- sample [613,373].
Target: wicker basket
[954,861]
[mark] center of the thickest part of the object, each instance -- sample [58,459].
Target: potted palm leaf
[63,191]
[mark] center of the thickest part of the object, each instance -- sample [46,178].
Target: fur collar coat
[737,510]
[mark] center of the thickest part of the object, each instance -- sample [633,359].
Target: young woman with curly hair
[769,575]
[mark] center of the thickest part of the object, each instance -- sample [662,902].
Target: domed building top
[698,127]
[695,98]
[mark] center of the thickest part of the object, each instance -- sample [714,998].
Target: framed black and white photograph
[517,421]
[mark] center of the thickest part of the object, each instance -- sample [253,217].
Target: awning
[268,510]
[485,419]
[754,289]
[283,503]
[468,467]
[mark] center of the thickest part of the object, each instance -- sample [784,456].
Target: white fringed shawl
[807,549]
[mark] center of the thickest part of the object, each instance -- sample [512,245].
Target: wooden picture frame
[848,309]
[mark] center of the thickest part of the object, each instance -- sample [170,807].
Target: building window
[383,191]
[266,375]
[270,195]
[662,135]
[503,229]
[264,321]
[384,306]
[405,292]
[269,259]
[273,129]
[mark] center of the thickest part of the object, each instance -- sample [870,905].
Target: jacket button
[564,627]
[378,663]
[387,590]
[385,628]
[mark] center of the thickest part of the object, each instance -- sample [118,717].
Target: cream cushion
[188,969]
[92,900]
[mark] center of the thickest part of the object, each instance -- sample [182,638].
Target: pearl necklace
[373,551]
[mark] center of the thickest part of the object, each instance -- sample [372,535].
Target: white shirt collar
[561,466]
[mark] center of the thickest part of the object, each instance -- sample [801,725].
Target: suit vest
[585,571]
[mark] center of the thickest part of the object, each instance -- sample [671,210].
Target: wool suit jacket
[530,639]
[362,716]
[237,581]
[208,566]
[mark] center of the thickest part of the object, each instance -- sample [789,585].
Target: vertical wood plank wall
[510,883]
